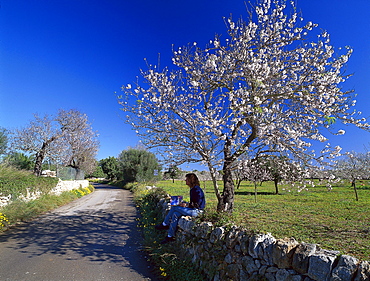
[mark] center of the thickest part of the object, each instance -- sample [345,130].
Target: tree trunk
[226,204]
[238,182]
[255,192]
[37,170]
[276,186]
[355,189]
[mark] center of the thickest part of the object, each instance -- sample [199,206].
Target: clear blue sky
[75,54]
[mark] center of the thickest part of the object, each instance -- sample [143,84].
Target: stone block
[301,257]
[244,243]
[186,224]
[282,252]
[270,277]
[321,264]
[231,237]
[249,264]
[217,235]
[243,276]
[233,271]
[282,275]
[229,258]
[260,246]
[295,278]
[203,230]
[345,269]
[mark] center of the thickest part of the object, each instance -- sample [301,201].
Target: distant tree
[284,169]
[353,167]
[80,141]
[97,173]
[254,171]
[66,138]
[3,140]
[173,172]
[111,167]
[266,86]
[238,177]
[138,165]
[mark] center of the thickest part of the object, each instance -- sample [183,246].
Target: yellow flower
[3,220]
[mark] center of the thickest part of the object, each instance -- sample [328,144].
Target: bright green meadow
[331,218]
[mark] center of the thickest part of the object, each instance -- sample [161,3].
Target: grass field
[333,219]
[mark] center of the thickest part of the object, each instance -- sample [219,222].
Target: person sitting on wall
[193,208]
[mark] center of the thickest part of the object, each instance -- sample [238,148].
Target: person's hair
[193,179]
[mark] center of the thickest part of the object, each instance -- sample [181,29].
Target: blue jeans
[172,218]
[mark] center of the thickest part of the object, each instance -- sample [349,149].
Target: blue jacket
[197,199]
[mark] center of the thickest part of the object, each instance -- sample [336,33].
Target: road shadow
[105,186]
[97,237]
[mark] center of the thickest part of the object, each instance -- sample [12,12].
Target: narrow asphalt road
[92,238]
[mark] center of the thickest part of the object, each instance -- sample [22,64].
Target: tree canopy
[111,168]
[265,88]
[138,165]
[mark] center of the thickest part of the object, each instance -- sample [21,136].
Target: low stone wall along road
[92,238]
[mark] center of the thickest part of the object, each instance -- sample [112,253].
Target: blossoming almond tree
[255,172]
[264,88]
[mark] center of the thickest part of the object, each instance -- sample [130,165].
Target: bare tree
[38,138]
[264,87]
[66,138]
[80,141]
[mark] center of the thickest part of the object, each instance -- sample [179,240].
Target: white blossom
[341,132]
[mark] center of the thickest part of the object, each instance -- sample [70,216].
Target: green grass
[16,182]
[333,219]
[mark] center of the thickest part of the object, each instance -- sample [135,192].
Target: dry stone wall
[69,185]
[235,254]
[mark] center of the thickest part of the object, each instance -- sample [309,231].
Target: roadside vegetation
[15,183]
[168,266]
